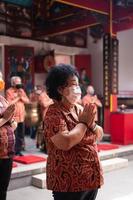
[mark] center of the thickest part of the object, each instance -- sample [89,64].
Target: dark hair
[58,77]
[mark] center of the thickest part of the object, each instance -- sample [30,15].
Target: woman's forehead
[73,80]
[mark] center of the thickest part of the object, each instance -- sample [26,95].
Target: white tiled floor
[127,197]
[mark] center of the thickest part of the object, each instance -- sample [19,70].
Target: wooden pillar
[110,66]
[110,71]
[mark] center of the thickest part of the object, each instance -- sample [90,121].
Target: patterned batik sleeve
[54,123]
[3,142]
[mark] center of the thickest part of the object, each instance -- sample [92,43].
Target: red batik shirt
[77,169]
[7,137]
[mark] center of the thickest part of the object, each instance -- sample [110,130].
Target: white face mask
[38,92]
[91,91]
[74,94]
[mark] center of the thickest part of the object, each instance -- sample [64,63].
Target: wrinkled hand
[17,96]
[20,93]
[9,112]
[88,115]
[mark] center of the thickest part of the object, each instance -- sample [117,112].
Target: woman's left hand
[87,115]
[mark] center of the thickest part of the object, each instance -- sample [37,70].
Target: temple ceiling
[65,21]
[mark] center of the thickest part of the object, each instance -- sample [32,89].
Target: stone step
[22,174]
[114,164]
[39,180]
[123,151]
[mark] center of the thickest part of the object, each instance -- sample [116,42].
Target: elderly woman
[91,97]
[73,166]
[16,95]
[7,141]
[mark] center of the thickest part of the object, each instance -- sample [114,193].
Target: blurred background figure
[91,97]
[34,95]
[16,95]
[43,101]
[32,124]
[39,95]
[84,81]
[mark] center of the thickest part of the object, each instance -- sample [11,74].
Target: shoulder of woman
[55,117]
[53,110]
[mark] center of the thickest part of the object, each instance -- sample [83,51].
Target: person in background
[73,166]
[16,95]
[7,141]
[39,95]
[34,99]
[91,97]
[34,95]
[44,101]
[84,81]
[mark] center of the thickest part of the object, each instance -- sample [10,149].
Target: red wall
[83,61]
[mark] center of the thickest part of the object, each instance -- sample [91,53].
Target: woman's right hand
[88,114]
[9,112]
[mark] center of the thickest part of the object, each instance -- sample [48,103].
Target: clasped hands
[87,116]
[20,93]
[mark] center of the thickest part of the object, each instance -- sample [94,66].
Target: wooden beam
[99,6]
[69,27]
[63,14]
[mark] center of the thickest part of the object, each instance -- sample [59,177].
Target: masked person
[40,96]
[7,141]
[73,166]
[44,102]
[84,81]
[91,97]
[16,95]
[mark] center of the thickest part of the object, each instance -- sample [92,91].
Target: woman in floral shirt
[73,167]
[7,141]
